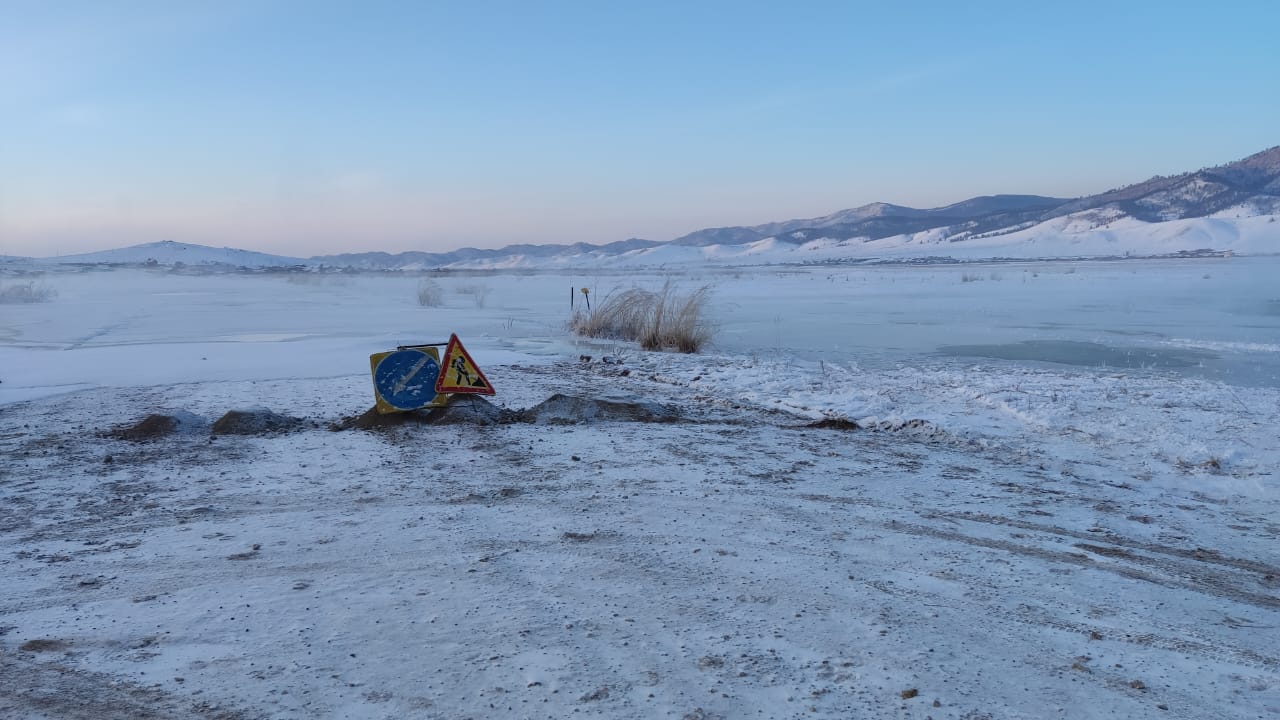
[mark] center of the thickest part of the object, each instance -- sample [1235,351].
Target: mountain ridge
[1249,187]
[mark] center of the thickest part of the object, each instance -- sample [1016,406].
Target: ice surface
[883,316]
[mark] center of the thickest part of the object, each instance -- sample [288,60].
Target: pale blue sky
[316,127]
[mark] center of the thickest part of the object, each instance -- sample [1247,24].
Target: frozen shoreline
[1008,541]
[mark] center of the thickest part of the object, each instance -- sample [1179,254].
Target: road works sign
[412,377]
[459,373]
[405,379]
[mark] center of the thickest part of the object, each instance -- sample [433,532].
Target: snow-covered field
[1059,500]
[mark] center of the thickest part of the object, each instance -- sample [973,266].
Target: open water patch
[1088,354]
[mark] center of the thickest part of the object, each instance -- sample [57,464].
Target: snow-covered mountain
[1232,207]
[874,220]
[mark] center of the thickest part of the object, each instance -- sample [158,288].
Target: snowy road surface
[734,563]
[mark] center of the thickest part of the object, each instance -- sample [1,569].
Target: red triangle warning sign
[458,372]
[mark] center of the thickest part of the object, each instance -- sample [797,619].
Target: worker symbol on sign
[461,375]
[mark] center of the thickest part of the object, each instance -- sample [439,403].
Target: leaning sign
[459,373]
[412,377]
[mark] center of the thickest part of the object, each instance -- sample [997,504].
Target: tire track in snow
[52,689]
[1221,586]
[1198,554]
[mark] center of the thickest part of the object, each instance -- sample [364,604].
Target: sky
[313,127]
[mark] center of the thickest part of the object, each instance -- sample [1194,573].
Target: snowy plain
[1060,499]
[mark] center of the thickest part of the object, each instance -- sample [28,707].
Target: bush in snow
[28,292]
[430,294]
[662,320]
[478,292]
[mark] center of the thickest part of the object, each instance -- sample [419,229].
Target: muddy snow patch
[371,419]
[834,424]
[916,425]
[874,425]
[469,410]
[44,645]
[558,409]
[257,421]
[562,409]
[157,425]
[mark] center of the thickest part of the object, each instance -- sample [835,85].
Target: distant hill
[511,255]
[874,221]
[1253,182]
[1232,207]
[167,252]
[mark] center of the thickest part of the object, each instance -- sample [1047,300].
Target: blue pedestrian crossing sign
[405,379]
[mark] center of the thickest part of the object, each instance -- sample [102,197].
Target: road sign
[460,374]
[405,379]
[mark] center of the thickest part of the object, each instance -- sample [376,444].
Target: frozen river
[1212,318]
[1209,318]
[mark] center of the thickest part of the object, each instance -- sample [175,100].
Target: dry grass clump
[662,320]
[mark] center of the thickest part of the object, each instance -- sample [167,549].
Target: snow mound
[469,410]
[158,425]
[464,410]
[257,421]
[560,409]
